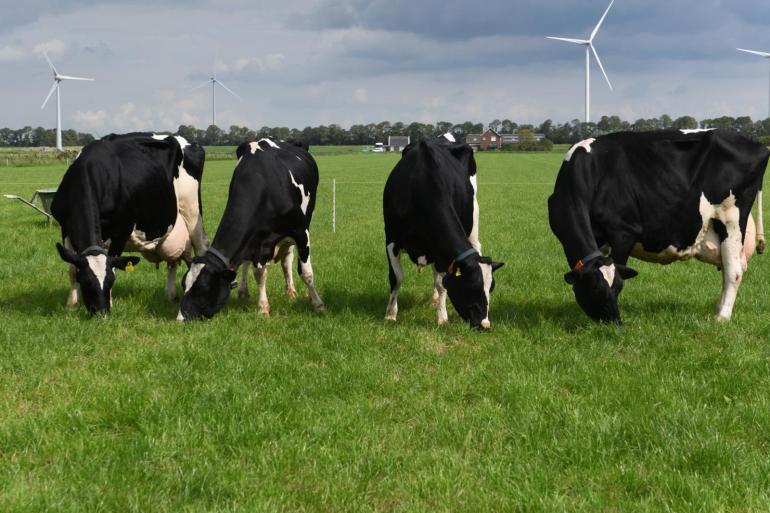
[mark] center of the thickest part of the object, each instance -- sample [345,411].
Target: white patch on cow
[474,184]
[449,137]
[422,261]
[305,198]
[182,142]
[474,236]
[158,137]
[586,145]
[98,265]
[299,158]
[486,274]
[269,142]
[192,275]
[688,131]
[254,147]
[608,271]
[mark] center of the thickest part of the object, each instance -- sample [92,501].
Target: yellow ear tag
[129,267]
[457,273]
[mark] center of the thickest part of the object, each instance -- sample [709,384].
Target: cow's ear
[124,263]
[626,272]
[69,256]
[229,274]
[497,265]
[241,150]
[572,277]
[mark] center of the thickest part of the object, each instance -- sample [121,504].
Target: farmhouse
[492,140]
[397,142]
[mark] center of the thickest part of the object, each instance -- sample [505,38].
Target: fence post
[334,205]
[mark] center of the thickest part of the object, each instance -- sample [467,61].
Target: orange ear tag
[129,267]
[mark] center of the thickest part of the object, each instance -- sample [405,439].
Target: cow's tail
[760,225]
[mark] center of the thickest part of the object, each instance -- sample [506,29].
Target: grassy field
[547,412]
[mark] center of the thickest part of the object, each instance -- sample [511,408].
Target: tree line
[558,133]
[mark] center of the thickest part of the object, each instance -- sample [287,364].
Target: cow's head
[207,285]
[597,285]
[95,273]
[469,284]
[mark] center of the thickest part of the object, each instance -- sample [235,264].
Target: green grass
[548,412]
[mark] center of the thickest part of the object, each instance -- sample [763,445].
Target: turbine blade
[568,40]
[67,77]
[53,68]
[596,29]
[761,54]
[207,82]
[227,89]
[53,88]
[599,62]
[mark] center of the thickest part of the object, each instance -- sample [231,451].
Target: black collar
[587,259]
[220,256]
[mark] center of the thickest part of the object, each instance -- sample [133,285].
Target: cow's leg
[396,276]
[171,280]
[305,269]
[732,268]
[243,287]
[72,297]
[198,237]
[260,275]
[438,287]
[287,263]
[760,226]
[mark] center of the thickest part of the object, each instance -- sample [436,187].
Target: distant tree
[685,123]
[507,126]
[495,125]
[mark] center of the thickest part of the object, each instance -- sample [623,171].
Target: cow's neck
[450,239]
[239,225]
[571,222]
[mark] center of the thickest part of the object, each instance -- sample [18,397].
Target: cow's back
[120,181]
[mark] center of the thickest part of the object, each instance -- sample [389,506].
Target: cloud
[53,48]
[91,120]
[11,53]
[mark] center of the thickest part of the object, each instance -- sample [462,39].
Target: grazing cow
[660,197]
[118,188]
[431,213]
[269,209]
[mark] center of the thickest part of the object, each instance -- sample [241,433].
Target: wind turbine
[589,46]
[57,80]
[214,82]
[761,54]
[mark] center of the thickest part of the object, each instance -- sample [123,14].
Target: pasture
[547,412]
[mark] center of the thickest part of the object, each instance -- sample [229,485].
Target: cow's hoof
[443,321]
[264,310]
[390,318]
[72,306]
[722,318]
[319,309]
[243,294]
[291,293]
[760,247]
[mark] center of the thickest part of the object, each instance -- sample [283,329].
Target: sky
[300,63]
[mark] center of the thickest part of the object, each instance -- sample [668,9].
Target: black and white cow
[660,197]
[118,188]
[431,213]
[269,209]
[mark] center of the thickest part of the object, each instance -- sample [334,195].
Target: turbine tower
[761,54]
[57,80]
[589,47]
[214,82]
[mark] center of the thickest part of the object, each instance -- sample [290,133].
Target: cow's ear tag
[458,273]
[129,267]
